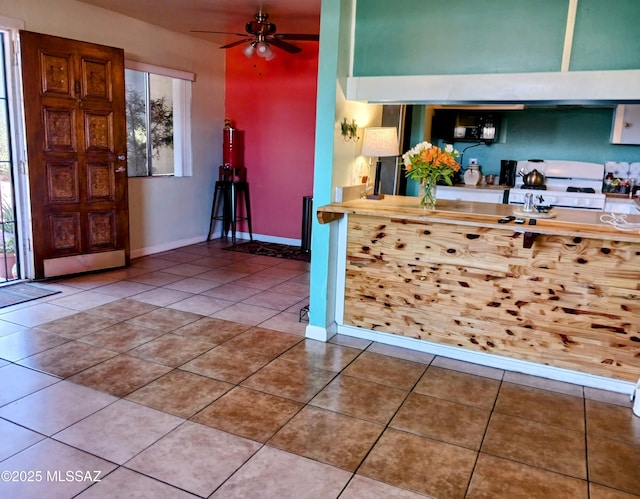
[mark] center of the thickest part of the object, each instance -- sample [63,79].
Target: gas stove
[569,184]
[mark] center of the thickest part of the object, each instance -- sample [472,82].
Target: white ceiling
[290,16]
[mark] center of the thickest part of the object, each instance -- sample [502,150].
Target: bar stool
[231,183]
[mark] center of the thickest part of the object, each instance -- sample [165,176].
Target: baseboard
[491,360]
[159,248]
[320,333]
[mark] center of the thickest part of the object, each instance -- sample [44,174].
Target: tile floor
[188,374]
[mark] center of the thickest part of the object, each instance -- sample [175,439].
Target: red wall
[273,105]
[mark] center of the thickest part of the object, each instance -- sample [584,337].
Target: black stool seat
[231,185]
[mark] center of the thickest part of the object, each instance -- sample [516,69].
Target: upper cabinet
[626,124]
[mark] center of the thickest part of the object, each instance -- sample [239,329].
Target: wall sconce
[349,130]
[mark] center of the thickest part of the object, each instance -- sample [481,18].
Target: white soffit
[621,85]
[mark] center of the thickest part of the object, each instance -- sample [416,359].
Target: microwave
[475,127]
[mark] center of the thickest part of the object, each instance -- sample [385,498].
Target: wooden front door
[76,149]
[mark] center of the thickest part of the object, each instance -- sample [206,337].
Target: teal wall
[426,37]
[607,35]
[570,134]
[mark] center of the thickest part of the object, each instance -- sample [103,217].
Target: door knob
[122,157]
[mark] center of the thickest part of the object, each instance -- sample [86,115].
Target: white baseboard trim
[269,239]
[491,360]
[159,248]
[320,333]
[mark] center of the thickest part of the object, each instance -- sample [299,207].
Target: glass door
[9,261]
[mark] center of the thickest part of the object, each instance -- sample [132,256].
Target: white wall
[164,212]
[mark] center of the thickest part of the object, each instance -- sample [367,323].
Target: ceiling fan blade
[298,36]
[287,47]
[217,32]
[233,44]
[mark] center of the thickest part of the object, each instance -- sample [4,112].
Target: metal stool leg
[247,204]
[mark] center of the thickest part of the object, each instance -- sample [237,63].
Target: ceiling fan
[261,35]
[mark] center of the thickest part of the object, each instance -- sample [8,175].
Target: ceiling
[290,16]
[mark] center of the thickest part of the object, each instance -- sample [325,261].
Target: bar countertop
[568,222]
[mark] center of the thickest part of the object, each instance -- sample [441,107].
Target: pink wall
[273,105]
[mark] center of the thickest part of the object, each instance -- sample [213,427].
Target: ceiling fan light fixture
[249,50]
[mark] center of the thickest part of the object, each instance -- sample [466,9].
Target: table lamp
[379,142]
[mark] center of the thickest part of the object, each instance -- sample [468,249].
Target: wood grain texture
[569,301]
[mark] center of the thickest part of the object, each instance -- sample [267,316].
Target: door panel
[76,146]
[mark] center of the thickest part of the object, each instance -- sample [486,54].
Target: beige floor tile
[537,444]
[468,367]
[597,491]
[264,341]
[386,370]
[272,299]
[195,458]
[84,301]
[123,289]
[495,477]
[180,393]
[614,464]
[14,438]
[7,328]
[120,375]
[401,353]
[55,407]
[245,314]
[543,383]
[77,325]
[248,413]
[156,278]
[231,292]
[164,319]
[286,322]
[457,386]
[36,314]
[17,346]
[119,431]
[360,398]
[212,330]
[126,483]
[421,468]
[227,364]
[293,288]
[605,396]
[613,421]
[68,359]
[275,473]
[350,341]
[17,381]
[53,459]
[171,350]
[328,437]
[191,285]
[289,380]
[200,304]
[442,420]
[186,269]
[121,337]
[312,353]
[361,487]
[161,297]
[121,310]
[541,405]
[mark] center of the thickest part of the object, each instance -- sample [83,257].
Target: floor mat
[271,249]
[21,292]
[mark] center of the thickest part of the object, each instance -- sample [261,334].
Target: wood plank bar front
[455,276]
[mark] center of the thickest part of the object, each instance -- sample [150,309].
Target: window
[158,112]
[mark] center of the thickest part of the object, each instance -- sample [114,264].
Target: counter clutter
[558,292]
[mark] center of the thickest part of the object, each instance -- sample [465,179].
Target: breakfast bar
[557,296]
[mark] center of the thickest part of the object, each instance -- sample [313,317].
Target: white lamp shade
[380,141]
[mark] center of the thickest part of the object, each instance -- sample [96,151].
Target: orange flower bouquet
[427,164]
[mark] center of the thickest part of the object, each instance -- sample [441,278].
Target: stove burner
[535,187]
[589,190]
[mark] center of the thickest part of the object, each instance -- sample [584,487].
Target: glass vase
[427,194]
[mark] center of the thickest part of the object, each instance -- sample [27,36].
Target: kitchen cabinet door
[469,194]
[626,124]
